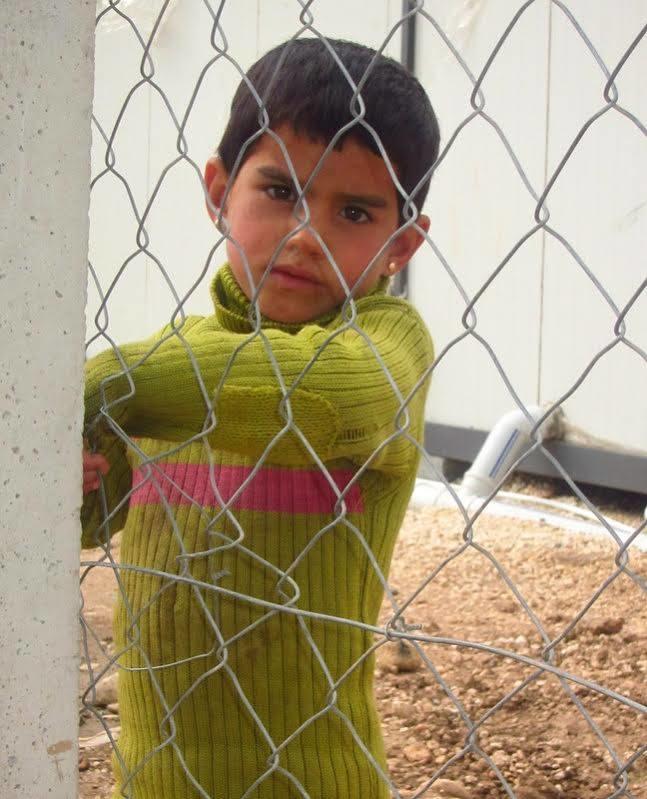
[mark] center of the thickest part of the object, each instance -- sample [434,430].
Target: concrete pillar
[46,77]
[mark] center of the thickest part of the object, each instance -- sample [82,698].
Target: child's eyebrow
[370,200]
[274,173]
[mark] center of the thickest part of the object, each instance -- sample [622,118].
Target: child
[229,523]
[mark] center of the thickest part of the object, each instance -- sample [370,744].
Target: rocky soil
[546,739]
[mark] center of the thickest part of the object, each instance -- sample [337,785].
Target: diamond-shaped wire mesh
[240,676]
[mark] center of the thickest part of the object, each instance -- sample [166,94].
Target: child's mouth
[293,278]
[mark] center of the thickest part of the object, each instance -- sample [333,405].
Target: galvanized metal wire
[305,23]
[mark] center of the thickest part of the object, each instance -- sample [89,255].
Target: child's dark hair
[302,86]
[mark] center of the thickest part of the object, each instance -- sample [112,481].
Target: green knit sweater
[221,696]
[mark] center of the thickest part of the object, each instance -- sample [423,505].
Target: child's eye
[355,214]
[279,191]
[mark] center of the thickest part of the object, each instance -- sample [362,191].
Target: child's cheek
[260,230]
[365,247]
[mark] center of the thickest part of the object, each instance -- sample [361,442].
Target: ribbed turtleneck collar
[233,308]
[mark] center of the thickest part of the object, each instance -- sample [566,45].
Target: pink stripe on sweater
[271,489]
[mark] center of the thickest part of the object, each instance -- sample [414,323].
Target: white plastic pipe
[434,493]
[506,442]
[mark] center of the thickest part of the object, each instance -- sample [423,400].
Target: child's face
[353,207]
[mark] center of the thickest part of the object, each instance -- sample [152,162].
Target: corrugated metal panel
[480,208]
[542,315]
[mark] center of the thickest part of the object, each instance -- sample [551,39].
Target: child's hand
[92,465]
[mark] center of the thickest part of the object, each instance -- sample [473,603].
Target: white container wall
[542,315]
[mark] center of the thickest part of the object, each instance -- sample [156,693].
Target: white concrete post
[46,76]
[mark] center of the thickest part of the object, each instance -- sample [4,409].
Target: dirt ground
[538,740]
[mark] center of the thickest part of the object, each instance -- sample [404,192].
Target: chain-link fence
[261,472]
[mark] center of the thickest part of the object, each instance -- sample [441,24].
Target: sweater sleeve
[104,512]
[346,387]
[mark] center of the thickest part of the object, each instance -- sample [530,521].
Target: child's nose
[307,236]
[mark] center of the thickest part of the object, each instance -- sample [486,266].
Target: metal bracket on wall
[408,59]
[584,464]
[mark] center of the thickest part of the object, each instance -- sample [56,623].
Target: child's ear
[215,180]
[405,245]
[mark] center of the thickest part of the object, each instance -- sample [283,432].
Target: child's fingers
[94,462]
[90,483]
[88,488]
[102,464]
[93,465]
